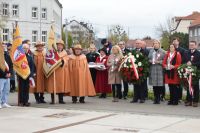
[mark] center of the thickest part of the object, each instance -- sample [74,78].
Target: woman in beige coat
[114,77]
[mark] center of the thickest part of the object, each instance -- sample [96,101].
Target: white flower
[129,60]
[139,64]
[125,65]
[129,54]
[130,66]
[137,55]
[136,65]
[193,74]
[181,70]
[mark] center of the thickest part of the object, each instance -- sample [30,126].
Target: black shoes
[62,102]
[103,95]
[133,101]
[172,103]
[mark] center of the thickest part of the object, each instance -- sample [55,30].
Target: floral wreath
[134,67]
[188,75]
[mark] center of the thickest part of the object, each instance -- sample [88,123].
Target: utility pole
[40,22]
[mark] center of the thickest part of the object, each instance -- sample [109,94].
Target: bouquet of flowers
[188,75]
[134,68]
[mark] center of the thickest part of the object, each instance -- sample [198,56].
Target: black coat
[31,64]
[125,51]
[196,58]
[10,65]
[145,52]
[183,53]
[91,57]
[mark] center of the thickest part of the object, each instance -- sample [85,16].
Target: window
[34,37]
[191,33]
[5,9]
[6,35]
[198,31]
[44,37]
[44,13]
[34,12]
[15,10]
[195,32]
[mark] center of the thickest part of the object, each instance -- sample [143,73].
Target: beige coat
[113,74]
[62,84]
[40,77]
[80,77]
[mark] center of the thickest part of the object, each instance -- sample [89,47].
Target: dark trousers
[195,94]
[180,93]
[162,93]
[12,85]
[174,89]
[93,74]
[116,88]
[39,97]
[157,92]
[125,93]
[139,91]
[23,90]
[81,99]
[145,88]
[60,97]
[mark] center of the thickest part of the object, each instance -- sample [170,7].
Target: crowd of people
[76,77]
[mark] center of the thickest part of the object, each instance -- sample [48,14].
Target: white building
[181,24]
[194,32]
[79,31]
[34,18]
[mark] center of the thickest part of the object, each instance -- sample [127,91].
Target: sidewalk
[98,115]
[39,120]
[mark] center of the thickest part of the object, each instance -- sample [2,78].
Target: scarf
[170,73]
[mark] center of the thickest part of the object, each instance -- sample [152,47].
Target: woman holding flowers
[156,77]
[171,62]
[114,77]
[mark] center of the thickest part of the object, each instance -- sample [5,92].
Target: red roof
[195,22]
[192,16]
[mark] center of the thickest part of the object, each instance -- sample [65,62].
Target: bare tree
[117,33]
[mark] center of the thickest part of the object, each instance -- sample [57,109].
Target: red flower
[140,68]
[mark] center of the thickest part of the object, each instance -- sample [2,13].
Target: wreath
[134,68]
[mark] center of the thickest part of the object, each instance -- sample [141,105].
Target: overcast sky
[139,16]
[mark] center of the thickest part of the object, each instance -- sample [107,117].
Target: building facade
[80,32]
[34,18]
[194,32]
[181,24]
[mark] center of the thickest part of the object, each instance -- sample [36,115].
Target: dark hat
[103,41]
[103,49]
[8,44]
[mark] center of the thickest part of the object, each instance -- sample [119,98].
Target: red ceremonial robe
[101,84]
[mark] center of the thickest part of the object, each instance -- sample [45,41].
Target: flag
[18,56]
[2,60]
[52,60]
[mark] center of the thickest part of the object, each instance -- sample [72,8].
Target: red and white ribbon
[189,79]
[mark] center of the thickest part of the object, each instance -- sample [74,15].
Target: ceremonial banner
[2,60]
[18,56]
[52,59]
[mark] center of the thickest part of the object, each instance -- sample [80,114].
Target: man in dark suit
[125,51]
[24,83]
[192,58]
[139,89]
[146,53]
[182,51]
